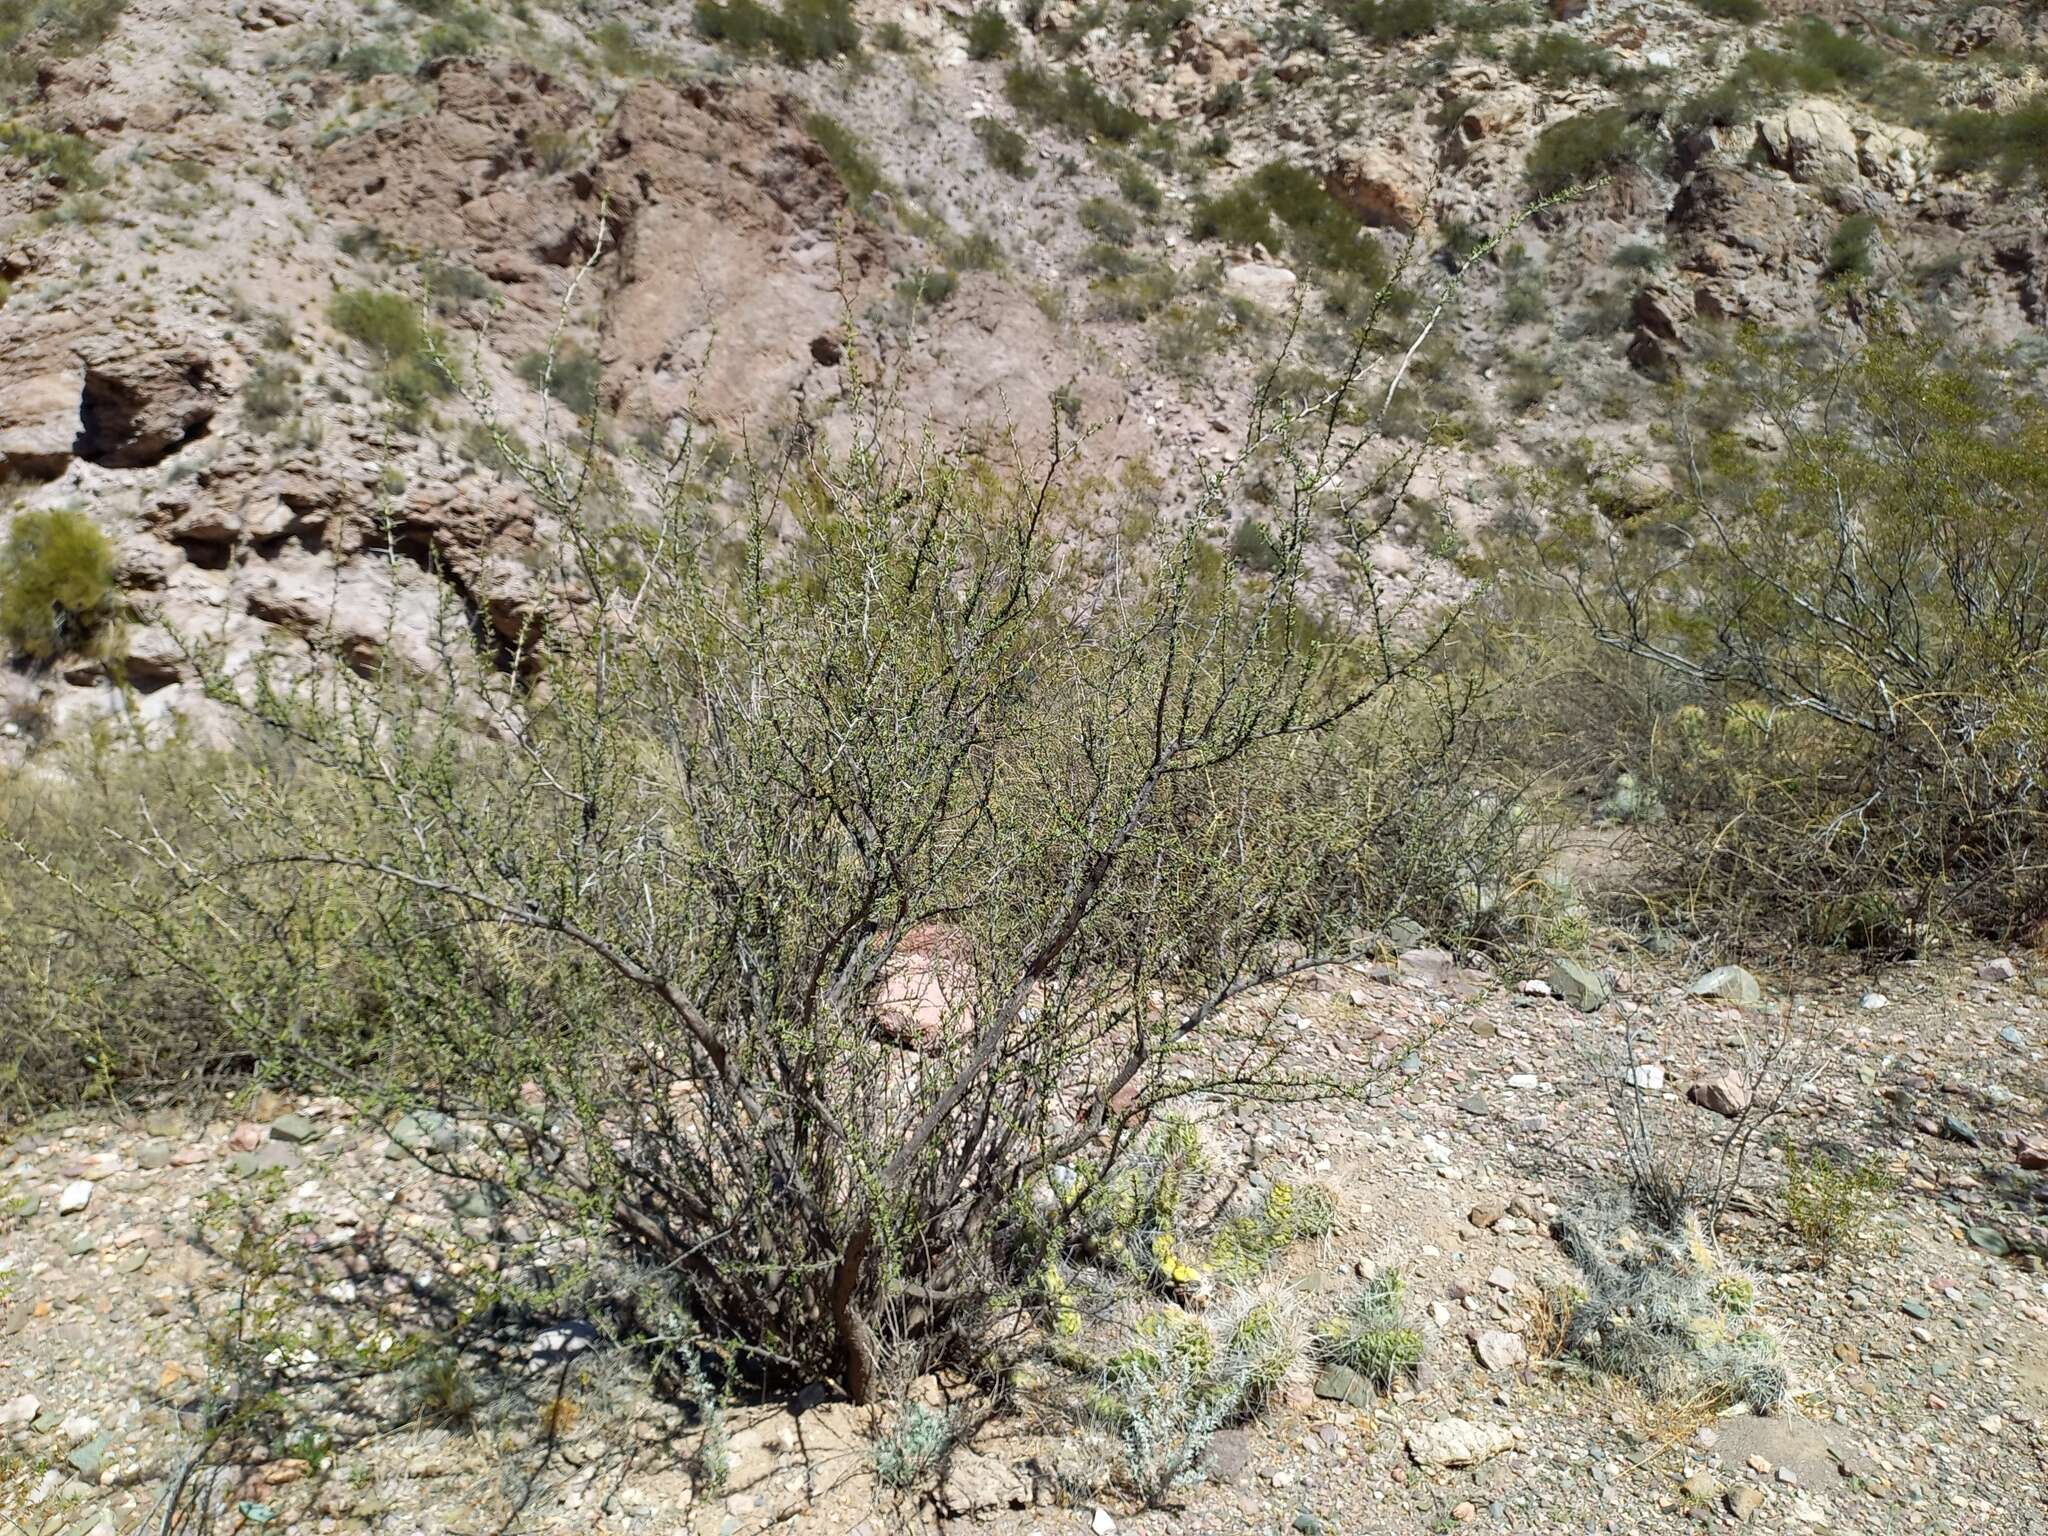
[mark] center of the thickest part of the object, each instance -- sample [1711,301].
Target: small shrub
[569,374]
[1834,1208]
[1284,206]
[388,326]
[857,170]
[2013,142]
[1139,189]
[1072,102]
[64,158]
[1390,21]
[1563,58]
[1252,546]
[270,395]
[366,61]
[1524,301]
[1371,1334]
[1639,256]
[1852,251]
[909,1453]
[1745,11]
[620,52]
[1583,148]
[989,34]
[1107,221]
[57,590]
[802,33]
[1663,1309]
[444,1392]
[1007,149]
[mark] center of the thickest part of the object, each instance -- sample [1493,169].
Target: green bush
[1563,58]
[1852,250]
[62,26]
[856,169]
[989,34]
[1107,221]
[64,158]
[1371,1335]
[1007,149]
[388,326]
[1072,102]
[1851,631]
[802,33]
[1745,11]
[1390,21]
[368,60]
[2014,141]
[1583,148]
[57,590]
[1835,1207]
[568,374]
[1286,207]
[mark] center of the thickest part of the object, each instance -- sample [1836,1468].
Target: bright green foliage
[1007,149]
[56,584]
[801,33]
[856,169]
[1370,1334]
[1071,101]
[1286,207]
[64,158]
[388,326]
[1834,1207]
[1583,148]
[570,375]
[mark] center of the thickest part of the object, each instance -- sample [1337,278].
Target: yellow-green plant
[57,589]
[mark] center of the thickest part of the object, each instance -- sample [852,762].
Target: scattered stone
[1744,1501]
[1524,1080]
[1473,1104]
[1501,1278]
[976,1483]
[1730,983]
[2001,969]
[1725,1094]
[1486,1213]
[88,1458]
[1700,1488]
[2013,1038]
[1646,1077]
[271,1157]
[1872,1001]
[1341,1384]
[1534,987]
[19,1410]
[76,1197]
[1499,1350]
[1103,1523]
[296,1128]
[153,1155]
[1955,1128]
[1578,986]
[1913,1308]
[1456,1442]
[425,1130]
[1990,1239]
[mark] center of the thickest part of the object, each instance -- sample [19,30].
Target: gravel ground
[1920,1373]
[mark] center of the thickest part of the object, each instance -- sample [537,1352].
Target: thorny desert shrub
[856,868]
[408,352]
[1855,624]
[1284,206]
[1583,148]
[801,33]
[1071,101]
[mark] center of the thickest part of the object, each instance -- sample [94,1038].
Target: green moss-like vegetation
[1586,147]
[1070,101]
[1389,21]
[1284,207]
[857,170]
[801,33]
[64,158]
[56,584]
[1007,149]
[990,35]
[571,375]
[388,326]
[2013,143]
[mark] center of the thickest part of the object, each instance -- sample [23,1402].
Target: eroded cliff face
[759,252]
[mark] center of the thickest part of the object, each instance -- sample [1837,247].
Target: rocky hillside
[246,243]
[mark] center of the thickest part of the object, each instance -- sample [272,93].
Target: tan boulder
[1812,141]
[39,421]
[1386,190]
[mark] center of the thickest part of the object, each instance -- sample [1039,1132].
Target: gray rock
[271,1157]
[2000,969]
[976,1483]
[1499,1350]
[1230,1455]
[1405,933]
[1341,1384]
[2013,1038]
[1473,1104]
[1646,1077]
[1990,1239]
[296,1129]
[1743,1502]
[88,1458]
[1731,983]
[1576,985]
[153,1155]
[426,1130]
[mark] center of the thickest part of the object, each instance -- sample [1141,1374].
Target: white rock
[1104,1523]
[1649,1077]
[1872,1001]
[1499,1350]
[1457,1442]
[76,1197]
[1501,1279]
[20,1410]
